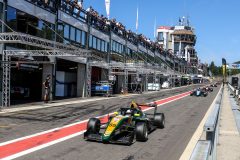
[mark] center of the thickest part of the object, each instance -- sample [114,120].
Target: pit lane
[182,118]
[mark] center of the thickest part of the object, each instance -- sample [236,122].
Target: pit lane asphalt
[182,118]
[23,123]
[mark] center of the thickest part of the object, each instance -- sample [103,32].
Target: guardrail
[206,149]
[234,92]
[202,150]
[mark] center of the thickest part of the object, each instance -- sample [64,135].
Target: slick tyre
[93,125]
[141,131]
[159,120]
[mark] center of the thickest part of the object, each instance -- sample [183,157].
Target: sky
[216,22]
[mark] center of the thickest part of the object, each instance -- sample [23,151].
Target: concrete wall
[81,80]
[66,86]
[120,83]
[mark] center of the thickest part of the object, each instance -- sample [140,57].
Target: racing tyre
[141,131]
[93,125]
[159,120]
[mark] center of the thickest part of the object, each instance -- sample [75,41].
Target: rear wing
[153,105]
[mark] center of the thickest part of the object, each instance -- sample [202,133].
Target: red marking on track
[47,137]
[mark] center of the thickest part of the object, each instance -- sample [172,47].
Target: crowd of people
[72,7]
[48,4]
[102,23]
[106,25]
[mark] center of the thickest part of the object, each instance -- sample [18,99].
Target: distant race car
[213,85]
[124,125]
[208,89]
[199,92]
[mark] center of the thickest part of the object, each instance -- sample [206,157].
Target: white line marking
[42,146]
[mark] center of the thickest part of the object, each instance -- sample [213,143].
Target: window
[122,51]
[102,46]
[94,42]
[160,36]
[72,37]
[11,18]
[66,31]
[60,32]
[48,30]
[106,47]
[98,44]
[78,36]
[117,47]
[90,41]
[83,38]
[112,46]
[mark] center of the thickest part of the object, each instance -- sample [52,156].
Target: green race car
[124,126]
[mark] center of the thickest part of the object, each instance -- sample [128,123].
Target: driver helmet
[128,112]
[133,105]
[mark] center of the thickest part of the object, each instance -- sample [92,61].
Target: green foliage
[234,71]
[216,70]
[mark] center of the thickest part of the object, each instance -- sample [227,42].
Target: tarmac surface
[182,119]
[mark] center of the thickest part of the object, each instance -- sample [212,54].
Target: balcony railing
[49,5]
[101,23]
[72,9]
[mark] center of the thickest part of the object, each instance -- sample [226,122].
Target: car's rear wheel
[141,131]
[159,120]
[93,125]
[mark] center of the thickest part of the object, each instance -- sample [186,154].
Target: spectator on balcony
[46,2]
[68,6]
[89,13]
[77,6]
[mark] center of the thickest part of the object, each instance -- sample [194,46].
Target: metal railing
[235,93]
[206,149]
[202,150]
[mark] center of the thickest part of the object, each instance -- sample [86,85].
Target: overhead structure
[54,49]
[51,48]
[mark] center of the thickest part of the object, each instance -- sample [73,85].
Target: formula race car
[125,125]
[207,89]
[199,92]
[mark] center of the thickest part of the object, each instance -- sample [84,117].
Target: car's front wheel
[93,125]
[141,131]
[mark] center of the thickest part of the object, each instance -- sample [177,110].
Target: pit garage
[26,83]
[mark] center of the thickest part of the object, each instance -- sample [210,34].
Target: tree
[212,67]
[216,70]
[235,71]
